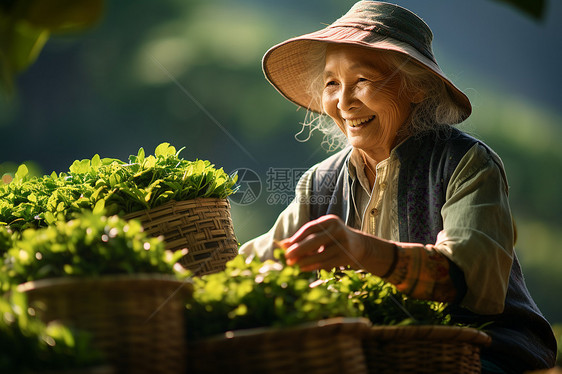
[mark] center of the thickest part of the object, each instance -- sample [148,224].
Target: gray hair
[437,111]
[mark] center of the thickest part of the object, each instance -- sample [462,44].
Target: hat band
[385,31]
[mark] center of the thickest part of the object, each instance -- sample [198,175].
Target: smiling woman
[364,98]
[411,199]
[434,107]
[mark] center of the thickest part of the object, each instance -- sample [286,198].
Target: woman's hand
[326,243]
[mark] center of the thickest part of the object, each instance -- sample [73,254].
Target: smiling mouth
[358,122]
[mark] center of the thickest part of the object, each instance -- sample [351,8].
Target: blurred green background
[188,72]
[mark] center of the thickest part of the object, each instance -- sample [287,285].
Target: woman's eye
[362,80]
[331,83]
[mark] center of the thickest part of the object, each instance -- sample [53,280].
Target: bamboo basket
[203,226]
[424,349]
[331,346]
[137,322]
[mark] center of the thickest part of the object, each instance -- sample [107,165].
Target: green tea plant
[119,187]
[381,302]
[88,246]
[28,345]
[250,293]
[6,239]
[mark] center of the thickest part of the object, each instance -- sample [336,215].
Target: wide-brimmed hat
[290,65]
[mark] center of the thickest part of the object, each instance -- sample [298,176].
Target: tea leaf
[21,172]
[143,183]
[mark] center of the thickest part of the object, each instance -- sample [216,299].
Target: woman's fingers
[327,243]
[326,258]
[308,246]
[322,224]
[311,237]
[324,243]
[283,244]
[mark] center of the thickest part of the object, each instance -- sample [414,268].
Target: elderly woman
[410,198]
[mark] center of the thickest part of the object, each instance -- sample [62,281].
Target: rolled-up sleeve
[477,230]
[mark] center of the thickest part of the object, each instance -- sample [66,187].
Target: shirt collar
[356,165]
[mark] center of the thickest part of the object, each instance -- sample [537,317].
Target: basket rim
[430,333]
[356,323]
[186,284]
[171,204]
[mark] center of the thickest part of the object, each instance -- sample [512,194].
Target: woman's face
[363,97]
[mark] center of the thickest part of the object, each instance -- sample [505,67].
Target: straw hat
[289,66]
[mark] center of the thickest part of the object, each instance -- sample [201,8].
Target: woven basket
[136,322]
[424,349]
[323,347]
[203,226]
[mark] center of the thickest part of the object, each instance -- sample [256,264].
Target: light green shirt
[477,230]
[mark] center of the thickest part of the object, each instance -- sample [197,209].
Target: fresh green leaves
[6,239]
[89,246]
[381,302]
[28,345]
[142,183]
[251,293]
[22,172]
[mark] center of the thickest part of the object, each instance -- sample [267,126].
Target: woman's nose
[347,99]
